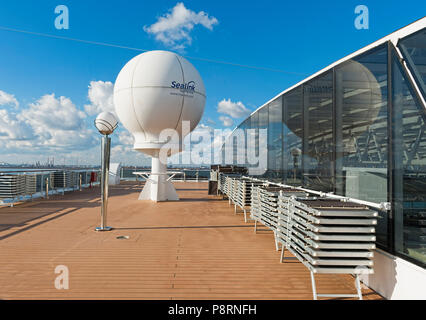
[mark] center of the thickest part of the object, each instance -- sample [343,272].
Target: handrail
[384,206]
[185,175]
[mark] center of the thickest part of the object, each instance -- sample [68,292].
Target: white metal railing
[185,175]
[16,186]
[384,206]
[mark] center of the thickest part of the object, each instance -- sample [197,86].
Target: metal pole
[81,187]
[41,185]
[105,153]
[47,188]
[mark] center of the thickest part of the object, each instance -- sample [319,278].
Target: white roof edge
[394,37]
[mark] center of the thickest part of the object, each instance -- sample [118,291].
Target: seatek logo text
[184,87]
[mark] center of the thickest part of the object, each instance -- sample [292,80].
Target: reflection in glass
[361,125]
[263,140]
[253,135]
[409,143]
[414,50]
[362,132]
[318,169]
[333,133]
[292,137]
[275,140]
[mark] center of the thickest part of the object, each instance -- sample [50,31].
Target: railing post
[47,188]
[81,186]
[41,185]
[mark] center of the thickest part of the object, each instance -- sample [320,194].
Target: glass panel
[253,138]
[244,128]
[414,49]
[263,124]
[409,143]
[318,170]
[275,140]
[362,131]
[234,149]
[239,145]
[361,125]
[292,136]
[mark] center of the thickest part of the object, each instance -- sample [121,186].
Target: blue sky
[300,37]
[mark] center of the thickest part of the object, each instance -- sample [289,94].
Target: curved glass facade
[357,129]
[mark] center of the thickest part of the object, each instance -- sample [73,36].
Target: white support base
[155,192]
[158,186]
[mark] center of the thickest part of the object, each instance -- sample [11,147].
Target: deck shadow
[197,200]
[33,225]
[21,216]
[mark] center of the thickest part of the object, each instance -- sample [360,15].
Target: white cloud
[122,151]
[50,126]
[226,121]
[58,124]
[54,113]
[126,138]
[8,99]
[101,97]
[233,109]
[174,28]
[12,129]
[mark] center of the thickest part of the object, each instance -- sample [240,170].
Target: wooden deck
[196,248]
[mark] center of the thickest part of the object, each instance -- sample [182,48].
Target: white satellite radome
[156,91]
[106,123]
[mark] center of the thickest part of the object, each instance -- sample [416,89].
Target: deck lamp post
[106,123]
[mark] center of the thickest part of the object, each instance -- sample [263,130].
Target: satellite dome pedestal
[158,187]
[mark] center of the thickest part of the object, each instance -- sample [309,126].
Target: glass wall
[292,137]
[409,148]
[318,160]
[253,139]
[263,139]
[359,130]
[275,141]
[361,127]
[414,50]
[242,147]
[362,131]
